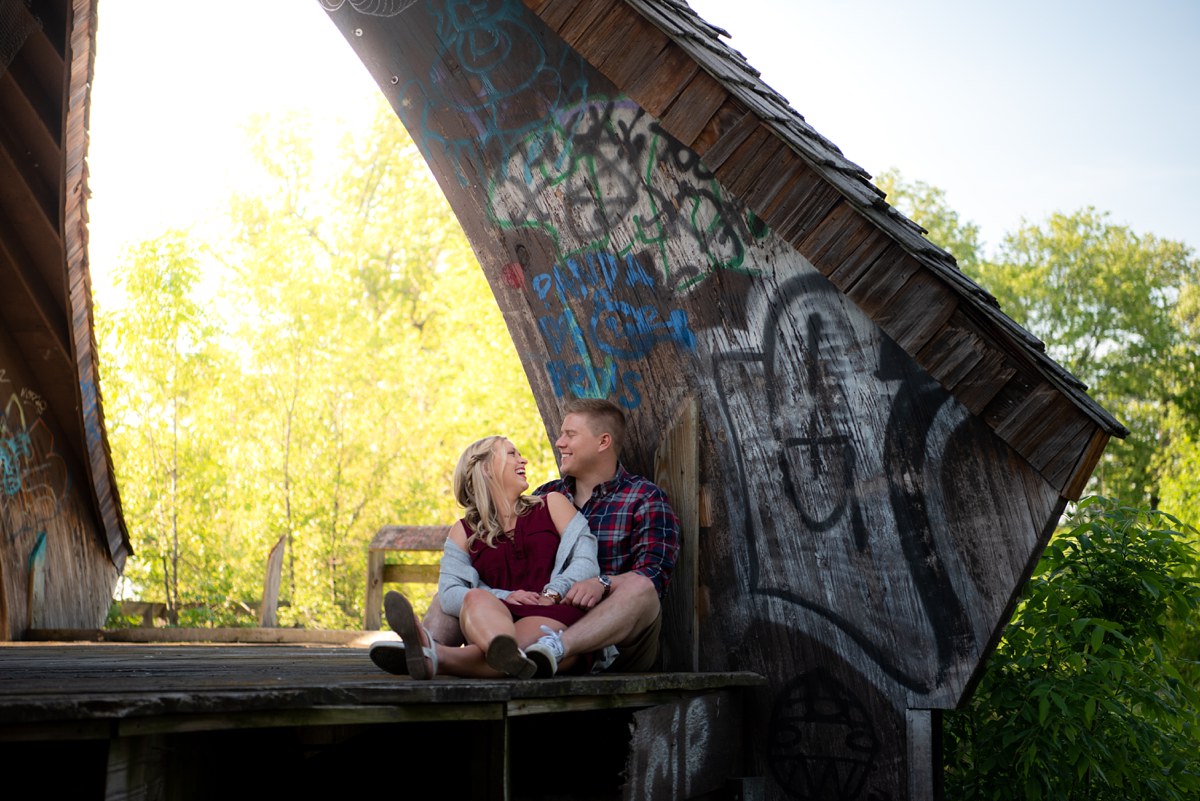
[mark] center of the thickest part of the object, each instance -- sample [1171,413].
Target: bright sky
[1017,108]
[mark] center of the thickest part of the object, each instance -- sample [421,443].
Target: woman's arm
[576,557]
[457,575]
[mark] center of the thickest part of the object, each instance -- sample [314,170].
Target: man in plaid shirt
[638,536]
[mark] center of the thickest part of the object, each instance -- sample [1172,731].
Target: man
[638,536]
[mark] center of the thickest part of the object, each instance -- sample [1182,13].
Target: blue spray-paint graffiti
[590,287]
[33,477]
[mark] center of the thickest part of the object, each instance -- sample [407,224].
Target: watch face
[605,580]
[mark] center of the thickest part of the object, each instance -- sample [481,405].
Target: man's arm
[653,544]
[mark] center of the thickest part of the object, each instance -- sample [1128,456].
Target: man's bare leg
[630,607]
[443,627]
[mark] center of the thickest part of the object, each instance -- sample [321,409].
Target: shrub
[1090,694]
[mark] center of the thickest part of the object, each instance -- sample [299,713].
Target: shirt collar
[604,487]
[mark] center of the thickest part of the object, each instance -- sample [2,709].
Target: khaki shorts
[641,655]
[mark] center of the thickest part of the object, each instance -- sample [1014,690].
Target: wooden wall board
[951,354]
[843,223]
[875,247]
[983,382]
[556,12]
[725,132]
[1010,396]
[655,89]
[753,164]
[1077,477]
[38,68]
[585,19]
[1027,410]
[625,47]
[689,113]
[880,282]
[677,472]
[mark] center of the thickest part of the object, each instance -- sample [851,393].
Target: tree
[1107,302]
[1088,695]
[161,385]
[310,372]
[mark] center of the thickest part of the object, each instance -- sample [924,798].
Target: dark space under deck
[188,721]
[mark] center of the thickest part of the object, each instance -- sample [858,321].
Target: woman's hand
[524,597]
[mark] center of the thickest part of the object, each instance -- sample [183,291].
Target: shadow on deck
[193,721]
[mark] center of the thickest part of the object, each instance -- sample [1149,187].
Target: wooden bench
[398,539]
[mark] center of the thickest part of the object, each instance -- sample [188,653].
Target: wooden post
[37,582]
[270,601]
[677,472]
[924,753]
[374,616]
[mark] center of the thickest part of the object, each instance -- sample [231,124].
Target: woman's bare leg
[487,623]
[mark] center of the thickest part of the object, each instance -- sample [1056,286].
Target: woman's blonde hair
[475,491]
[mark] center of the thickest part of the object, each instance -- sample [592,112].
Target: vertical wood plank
[924,753]
[677,472]
[136,768]
[267,617]
[37,583]
[373,615]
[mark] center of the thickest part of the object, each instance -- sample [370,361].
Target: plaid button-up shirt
[636,528]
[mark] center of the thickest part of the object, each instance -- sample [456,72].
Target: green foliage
[1113,308]
[927,206]
[1090,694]
[336,348]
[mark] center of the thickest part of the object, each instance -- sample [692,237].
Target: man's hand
[585,594]
[524,597]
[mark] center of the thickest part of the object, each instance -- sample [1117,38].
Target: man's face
[578,447]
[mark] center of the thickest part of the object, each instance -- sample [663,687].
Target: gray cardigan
[574,561]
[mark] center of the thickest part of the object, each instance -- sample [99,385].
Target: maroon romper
[524,561]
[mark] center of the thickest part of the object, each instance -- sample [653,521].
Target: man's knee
[638,590]
[442,627]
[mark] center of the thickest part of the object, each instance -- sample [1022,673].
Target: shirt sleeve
[456,577]
[655,538]
[576,557]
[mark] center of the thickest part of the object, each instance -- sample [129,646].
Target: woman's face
[508,468]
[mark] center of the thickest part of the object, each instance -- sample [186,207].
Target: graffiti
[605,176]
[851,464]
[494,77]
[602,290]
[374,8]
[680,749]
[33,477]
[821,740]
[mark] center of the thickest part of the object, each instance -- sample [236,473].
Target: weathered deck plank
[193,687]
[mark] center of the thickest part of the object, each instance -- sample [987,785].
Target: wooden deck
[175,720]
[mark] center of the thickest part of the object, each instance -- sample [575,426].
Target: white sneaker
[546,652]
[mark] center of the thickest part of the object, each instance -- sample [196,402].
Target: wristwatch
[605,582]
[549,593]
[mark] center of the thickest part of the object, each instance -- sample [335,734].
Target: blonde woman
[505,568]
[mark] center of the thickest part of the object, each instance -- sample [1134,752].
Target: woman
[505,567]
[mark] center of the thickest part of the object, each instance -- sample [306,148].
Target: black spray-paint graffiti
[591,305]
[605,176]
[822,744]
[825,413]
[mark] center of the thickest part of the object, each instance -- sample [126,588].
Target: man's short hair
[603,416]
